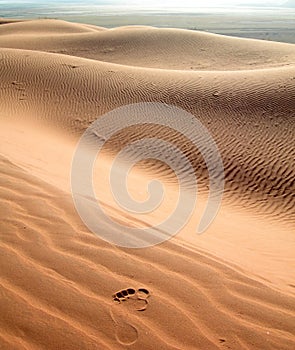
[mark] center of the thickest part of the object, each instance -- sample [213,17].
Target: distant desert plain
[62,286]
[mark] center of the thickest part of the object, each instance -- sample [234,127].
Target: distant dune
[146,46]
[232,287]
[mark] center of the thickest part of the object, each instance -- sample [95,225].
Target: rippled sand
[232,287]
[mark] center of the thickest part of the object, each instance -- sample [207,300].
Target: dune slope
[57,281]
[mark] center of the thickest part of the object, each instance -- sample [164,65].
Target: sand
[230,288]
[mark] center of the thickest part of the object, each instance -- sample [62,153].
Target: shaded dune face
[250,114]
[63,287]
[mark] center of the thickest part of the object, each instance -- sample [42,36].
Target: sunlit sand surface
[233,286]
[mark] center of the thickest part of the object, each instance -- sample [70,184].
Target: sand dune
[46,27]
[254,111]
[147,46]
[230,288]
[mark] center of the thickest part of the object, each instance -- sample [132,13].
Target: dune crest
[149,47]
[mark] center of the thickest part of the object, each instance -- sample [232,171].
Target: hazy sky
[196,3]
[161,3]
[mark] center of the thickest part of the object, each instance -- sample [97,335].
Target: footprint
[124,294]
[141,296]
[125,333]
[127,301]
[143,293]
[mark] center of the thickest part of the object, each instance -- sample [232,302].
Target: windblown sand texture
[231,288]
